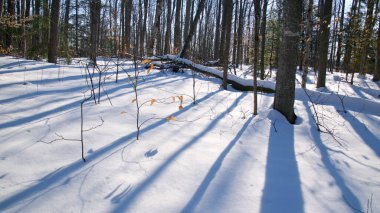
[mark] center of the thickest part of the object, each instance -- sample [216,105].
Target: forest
[189,105]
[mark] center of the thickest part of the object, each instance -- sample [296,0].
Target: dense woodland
[323,34]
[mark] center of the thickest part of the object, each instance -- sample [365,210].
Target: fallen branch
[237,83]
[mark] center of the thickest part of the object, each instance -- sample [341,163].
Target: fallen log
[236,82]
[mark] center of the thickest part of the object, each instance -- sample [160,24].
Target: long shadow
[282,188]
[368,137]
[346,192]
[16,63]
[54,178]
[66,107]
[125,203]
[47,66]
[198,195]
[119,86]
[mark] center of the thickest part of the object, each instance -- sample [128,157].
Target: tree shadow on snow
[347,194]
[60,176]
[198,195]
[126,203]
[282,188]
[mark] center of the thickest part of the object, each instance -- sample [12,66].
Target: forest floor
[212,156]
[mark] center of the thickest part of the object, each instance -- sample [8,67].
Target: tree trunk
[340,37]
[376,74]
[177,26]
[256,52]
[9,33]
[349,42]
[242,11]
[187,18]
[263,39]
[323,46]
[1,8]
[54,25]
[366,37]
[77,27]
[128,15]
[226,32]
[217,31]
[193,27]
[95,6]
[168,27]
[285,83]
[308,38]
[156,28]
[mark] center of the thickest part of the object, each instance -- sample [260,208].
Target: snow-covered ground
[209,157]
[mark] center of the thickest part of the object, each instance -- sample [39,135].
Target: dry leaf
[134,100]
[146,61]
[152,101]
[150,68]
[171,118]
[123,113]
[180,107]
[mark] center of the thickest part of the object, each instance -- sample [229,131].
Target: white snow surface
[213,157]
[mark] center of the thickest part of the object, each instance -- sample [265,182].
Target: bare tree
[256,53]
[95,6]
[54,23]
[323,45]
[177,26]
[226,35]
[156,29]
[285,83]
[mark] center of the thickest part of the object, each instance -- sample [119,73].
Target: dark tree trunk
[285,83]
[340,37]
[168,27]
[156,28]
[308,38]
[1,7]
[263,39]
[76,27]
[323,45]
[54,24]
[95,6]
[177,26]
[193,27]
[187,18]
[226,32]
[128,16]
[256,52]
[376,74]
[27,9]
[9,33]
[217,31]
[366,37]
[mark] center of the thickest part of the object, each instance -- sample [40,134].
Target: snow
[215,157]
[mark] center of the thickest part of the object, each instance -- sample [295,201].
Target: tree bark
[54,25]
[366,37]
[323,46]
[128,16]
[177,26]
[168,27]
[256,52]
[340,37]
[217,31]
[95,6]
[156,28]
[263,39]
[227,20]
[193,27]
[376,74]
[308,38]
[285,83]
